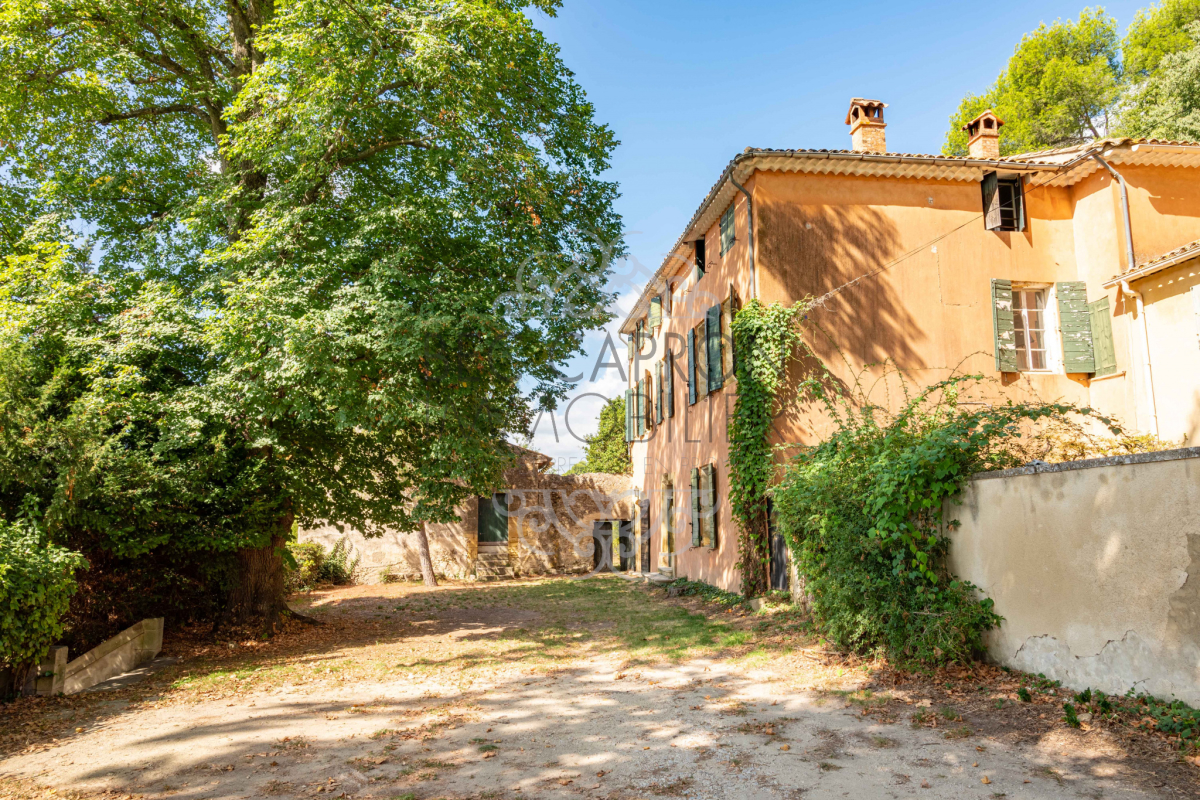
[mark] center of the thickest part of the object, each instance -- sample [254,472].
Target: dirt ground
[559,688]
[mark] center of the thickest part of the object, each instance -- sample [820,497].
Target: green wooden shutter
[727,229]
[691,366]
[990,188]
[658,394]
[655,312]
[1102,338]
[695,495]
[670,400]
[641,407]
[629,415]
[702,358]
[1075,322]
[727,311]
[716,378]
[706,506]
[714,510]
[1002,326]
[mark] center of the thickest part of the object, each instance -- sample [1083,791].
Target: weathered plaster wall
[1095,567]
[451,546]
[552,518]
[696,434]
[549,531]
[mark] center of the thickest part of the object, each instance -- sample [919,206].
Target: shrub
[36,584]
[314,565]
[863,514]
[341,564]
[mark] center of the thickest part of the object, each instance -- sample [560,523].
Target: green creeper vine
[764,338]
[864,510]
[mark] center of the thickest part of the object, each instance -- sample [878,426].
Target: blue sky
[686,86]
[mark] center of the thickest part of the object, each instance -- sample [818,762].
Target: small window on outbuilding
[698,270]
[1003,203]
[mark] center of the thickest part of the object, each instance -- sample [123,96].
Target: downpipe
[1130,263]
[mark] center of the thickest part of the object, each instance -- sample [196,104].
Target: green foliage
[863,514]
[1070,716]
[607,450]
[36,584]
[1024,696]
[1058,88]
[327,247]
[316,566]
[765,337]
[1172,717]
[1156,32]
[1167,104]
[682,587]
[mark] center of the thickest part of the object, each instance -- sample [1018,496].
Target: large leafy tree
[328,238]
[1058,88]
[1168,103]
[1160,54]
[606,450]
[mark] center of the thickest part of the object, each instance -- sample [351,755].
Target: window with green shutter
[691,367]
[670,383]
[641,407]
[1075,322]
[728,309]
[1002,326]
[658,393]
[655,312]
[727,230]
[1102,338]
[629,415]
[695,495]
[708,507]
[702,359]
[713,330]
[1003,203]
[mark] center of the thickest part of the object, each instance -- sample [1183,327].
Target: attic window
[1003,203]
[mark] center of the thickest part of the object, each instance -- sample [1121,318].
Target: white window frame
[1050,325]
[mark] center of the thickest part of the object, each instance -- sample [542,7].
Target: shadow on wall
[810,251]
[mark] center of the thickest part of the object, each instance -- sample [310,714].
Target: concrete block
[52,672]
[131,648]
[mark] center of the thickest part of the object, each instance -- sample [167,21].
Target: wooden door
[493,518]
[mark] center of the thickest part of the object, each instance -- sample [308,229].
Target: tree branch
[379,148]
[153,111]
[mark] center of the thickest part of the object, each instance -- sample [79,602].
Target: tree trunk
[258,596]
[426,560]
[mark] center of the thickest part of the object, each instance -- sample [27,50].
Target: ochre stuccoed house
[1070,273]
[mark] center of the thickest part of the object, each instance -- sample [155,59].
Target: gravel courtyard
[592,688]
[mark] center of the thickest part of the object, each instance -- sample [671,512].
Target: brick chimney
[983,135]
[865,119]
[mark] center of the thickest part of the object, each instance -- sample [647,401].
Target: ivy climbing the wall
[862,511]
[764,338]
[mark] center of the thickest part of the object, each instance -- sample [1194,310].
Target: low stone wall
[133,647]
[1095,566]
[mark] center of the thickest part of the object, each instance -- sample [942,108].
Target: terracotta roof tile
[1172,255]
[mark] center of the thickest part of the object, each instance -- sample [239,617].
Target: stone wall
[1095,566]
[451,546]
[550,527]
[552,518]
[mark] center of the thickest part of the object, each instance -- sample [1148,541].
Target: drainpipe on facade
[1137,296]
[750,234]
